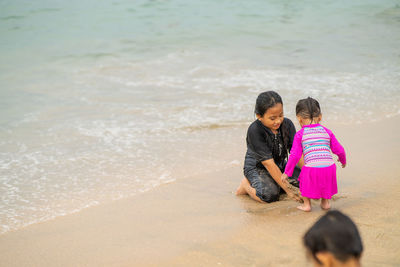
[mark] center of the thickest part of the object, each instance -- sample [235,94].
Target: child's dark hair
[267,100]
[308,108]
[335,233]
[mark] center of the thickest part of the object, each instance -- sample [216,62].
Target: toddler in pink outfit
[316,143]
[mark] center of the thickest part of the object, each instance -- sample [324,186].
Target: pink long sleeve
[336,147]
[295,153]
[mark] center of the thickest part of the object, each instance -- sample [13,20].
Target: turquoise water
[274,33]
[104,100]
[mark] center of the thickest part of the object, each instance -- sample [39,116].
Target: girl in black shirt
[269,138]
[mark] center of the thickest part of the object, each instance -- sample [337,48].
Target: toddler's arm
[337,148]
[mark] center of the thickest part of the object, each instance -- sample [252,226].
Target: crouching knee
[269,195]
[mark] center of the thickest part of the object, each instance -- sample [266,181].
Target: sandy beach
[198,221]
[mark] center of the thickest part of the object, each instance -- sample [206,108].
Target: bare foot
[325,205]
[241,190]
[304,208]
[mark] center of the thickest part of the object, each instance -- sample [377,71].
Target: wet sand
[198,221]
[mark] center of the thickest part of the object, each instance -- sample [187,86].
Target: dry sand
[198,221]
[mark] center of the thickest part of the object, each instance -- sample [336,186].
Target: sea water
[102,100]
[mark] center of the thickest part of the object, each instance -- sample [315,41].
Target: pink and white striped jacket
[316,143]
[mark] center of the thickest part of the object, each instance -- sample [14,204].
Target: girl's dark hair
[335,233]
[267,100]
[308,108]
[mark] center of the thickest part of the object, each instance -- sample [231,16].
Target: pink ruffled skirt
[318,183]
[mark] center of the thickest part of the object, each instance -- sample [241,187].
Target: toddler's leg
[325,205]
[306,205]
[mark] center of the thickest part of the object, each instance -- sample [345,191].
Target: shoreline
[199,221]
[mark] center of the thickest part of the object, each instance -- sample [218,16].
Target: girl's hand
[294,196]
[284,178]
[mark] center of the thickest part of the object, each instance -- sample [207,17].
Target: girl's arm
[295,154]
[276,174]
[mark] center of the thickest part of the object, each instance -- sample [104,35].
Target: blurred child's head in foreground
[334,240]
